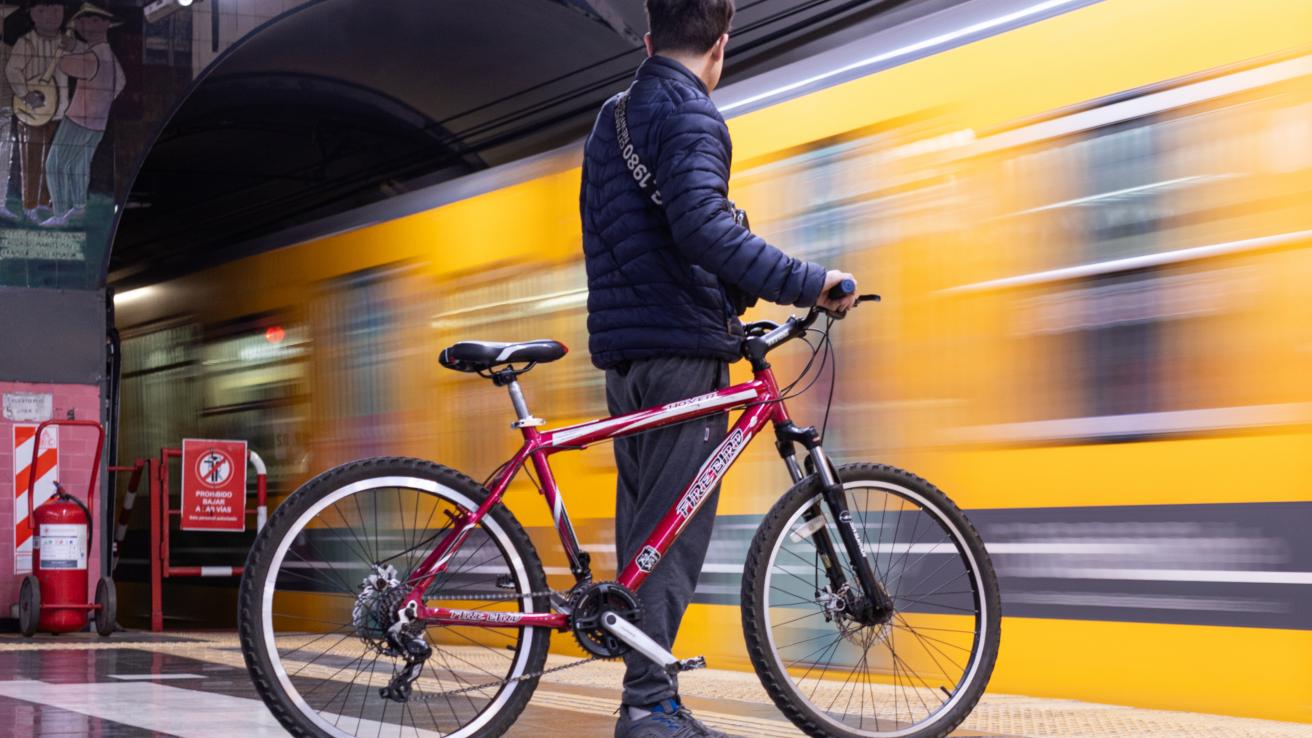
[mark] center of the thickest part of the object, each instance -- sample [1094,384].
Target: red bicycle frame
[763,405]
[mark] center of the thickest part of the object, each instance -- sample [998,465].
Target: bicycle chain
[429,697]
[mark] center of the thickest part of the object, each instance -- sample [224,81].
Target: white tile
[182,712]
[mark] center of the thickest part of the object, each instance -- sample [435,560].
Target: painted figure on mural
[99,80]
[40,99]
[6,121]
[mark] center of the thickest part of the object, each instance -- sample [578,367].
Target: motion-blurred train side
[1092,236]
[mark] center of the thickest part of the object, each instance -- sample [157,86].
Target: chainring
[587,604]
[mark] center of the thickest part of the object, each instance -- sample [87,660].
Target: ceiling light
[160,9]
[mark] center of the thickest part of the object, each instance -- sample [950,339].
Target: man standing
[668,267]
[99,80]
[32,63]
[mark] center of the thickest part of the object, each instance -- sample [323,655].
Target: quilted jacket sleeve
[692,167]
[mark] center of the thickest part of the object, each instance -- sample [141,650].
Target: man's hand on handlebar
[839,292]
[838,297]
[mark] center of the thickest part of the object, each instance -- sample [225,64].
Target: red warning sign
[213,485]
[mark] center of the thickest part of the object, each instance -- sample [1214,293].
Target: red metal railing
[160,514]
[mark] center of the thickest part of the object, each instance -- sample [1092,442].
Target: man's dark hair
[688,25]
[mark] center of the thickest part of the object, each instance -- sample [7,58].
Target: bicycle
[850,634]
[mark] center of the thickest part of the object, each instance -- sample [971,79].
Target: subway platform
[194,685]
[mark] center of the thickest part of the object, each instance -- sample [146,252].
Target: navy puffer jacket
[657,275]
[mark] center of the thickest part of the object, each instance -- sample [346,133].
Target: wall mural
[63,87]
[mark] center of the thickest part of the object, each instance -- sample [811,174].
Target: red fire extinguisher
[53,597]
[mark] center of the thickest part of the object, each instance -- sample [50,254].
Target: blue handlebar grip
[842,289]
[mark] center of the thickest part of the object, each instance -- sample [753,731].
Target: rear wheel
[326,576]
[915,673]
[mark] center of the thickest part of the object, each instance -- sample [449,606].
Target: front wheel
[325,579]
[833,668]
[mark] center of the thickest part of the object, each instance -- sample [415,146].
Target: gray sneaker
[668,719]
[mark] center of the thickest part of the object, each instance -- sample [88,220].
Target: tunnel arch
[338,61]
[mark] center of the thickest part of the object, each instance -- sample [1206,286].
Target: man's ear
[717,51]
[646,41]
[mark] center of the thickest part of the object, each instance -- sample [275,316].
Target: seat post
[525,419]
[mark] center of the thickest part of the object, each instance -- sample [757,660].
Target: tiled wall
[77,446]
[236,19]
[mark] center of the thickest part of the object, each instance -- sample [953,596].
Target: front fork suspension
[876,605]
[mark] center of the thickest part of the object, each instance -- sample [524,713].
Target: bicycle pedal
[696,662]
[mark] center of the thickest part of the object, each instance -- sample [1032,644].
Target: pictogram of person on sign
[214,468]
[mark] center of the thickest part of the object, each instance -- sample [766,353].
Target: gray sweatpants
[654,467]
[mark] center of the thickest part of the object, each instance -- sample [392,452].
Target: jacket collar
[663,67]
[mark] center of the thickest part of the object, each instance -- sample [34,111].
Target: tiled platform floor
[195,686]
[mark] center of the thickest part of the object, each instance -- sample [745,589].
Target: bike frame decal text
[712,472]
[484,616]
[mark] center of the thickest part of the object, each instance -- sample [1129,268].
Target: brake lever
[839,316]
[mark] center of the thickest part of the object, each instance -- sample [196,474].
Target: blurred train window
[513,303]
[851,203]
[243,380]
[254,388]
[834,199]
[1124,298]
[357,323]
[160,399]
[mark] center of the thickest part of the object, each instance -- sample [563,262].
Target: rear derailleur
[406,639]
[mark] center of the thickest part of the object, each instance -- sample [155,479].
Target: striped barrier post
[261,491]
[125,512]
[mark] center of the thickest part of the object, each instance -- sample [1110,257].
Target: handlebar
[764,336]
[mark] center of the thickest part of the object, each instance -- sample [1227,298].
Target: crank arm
[643,644]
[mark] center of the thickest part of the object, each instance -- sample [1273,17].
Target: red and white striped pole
[261,490]
[129,499]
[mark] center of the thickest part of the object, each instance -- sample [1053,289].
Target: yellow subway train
[1092,233]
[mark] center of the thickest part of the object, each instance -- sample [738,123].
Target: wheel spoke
[863,677]
[327,637]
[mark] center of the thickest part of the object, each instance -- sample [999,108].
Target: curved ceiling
[346,102]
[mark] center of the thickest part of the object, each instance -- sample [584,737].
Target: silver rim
[980,601]
[371,727]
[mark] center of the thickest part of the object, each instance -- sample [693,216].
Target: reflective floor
[195,686]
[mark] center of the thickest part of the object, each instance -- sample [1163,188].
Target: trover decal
[694,401]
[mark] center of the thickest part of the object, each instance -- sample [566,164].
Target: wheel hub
[375,609]
[853,613]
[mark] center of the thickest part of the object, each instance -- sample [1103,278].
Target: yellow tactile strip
[996,714]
